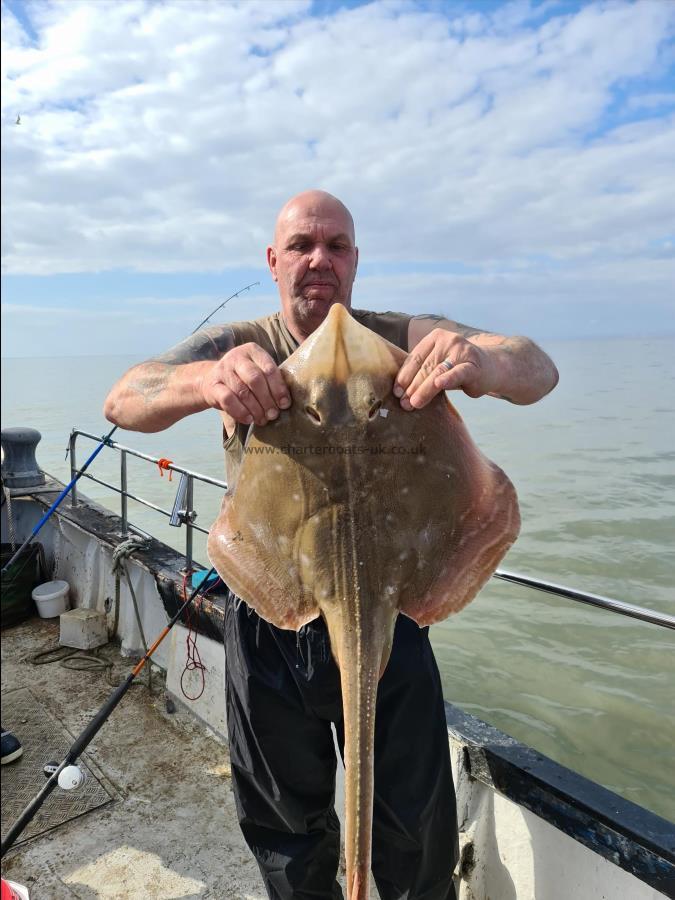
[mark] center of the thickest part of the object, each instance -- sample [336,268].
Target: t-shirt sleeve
[392,326]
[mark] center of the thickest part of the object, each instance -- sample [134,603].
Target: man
[283,690]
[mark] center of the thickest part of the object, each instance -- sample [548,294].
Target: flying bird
[18,120]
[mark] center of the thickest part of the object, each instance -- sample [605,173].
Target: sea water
[594,467]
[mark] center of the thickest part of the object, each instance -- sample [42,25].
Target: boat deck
[171,830]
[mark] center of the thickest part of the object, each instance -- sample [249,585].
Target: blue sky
[510,165]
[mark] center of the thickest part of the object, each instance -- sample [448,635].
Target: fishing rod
[92,729]
[247,288]
[104,440]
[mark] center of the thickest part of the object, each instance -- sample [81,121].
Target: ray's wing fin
[478,508]
[251,547]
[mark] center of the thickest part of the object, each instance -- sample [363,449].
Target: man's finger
[412,365]
[442,381]
[221,397]
[275,380]
[429,369]
[246,397]
[254,378]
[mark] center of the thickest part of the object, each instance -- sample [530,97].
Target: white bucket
[51,598]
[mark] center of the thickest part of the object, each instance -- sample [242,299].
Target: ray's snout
[347,373]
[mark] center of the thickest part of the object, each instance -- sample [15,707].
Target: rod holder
[180,514]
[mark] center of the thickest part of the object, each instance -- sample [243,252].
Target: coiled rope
[119,567]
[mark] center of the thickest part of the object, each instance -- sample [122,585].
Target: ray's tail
[360,677]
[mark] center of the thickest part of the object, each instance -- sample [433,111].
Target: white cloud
[163,137]
[591,299]
[651,101]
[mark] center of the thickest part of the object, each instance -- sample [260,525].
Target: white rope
[10,517]
[124,550]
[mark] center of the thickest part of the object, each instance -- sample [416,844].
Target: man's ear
[272,261]
[356,264]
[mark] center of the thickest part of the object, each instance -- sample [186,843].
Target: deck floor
[172,831]
[47,740]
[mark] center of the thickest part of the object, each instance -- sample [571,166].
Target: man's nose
[320,258]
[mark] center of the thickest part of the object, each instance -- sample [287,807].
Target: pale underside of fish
[351,508]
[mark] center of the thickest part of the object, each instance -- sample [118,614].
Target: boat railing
[184,514]
[617,606]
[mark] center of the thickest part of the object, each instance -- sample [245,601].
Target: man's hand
[246,384]
[423,375]
[510,368]
[204,371]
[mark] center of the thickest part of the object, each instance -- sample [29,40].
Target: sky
[508,165]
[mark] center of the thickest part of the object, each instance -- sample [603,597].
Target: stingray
[351,508]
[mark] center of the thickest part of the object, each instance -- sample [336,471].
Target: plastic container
[51,598]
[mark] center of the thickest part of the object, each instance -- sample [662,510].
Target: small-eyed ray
[351,508]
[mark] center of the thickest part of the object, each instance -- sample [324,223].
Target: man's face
[313,261]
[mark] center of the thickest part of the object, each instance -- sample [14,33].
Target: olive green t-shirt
[272,334]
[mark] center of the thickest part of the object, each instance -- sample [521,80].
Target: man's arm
[204,371]
[511,368]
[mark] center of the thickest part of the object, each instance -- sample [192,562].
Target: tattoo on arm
[150,381]
[152,378]
[207,344]
[428,317]
[465,330]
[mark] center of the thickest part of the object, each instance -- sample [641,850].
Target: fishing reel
[71,778]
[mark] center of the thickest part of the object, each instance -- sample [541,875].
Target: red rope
[193,659]
[164,464]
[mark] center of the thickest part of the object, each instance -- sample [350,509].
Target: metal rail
[616,606]
[186,516]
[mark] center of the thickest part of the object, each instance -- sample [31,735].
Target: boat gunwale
[630,836]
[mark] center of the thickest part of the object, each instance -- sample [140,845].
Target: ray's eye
[313,413]
[374,409]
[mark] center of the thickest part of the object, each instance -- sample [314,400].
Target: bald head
[313,204]
[313,259]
